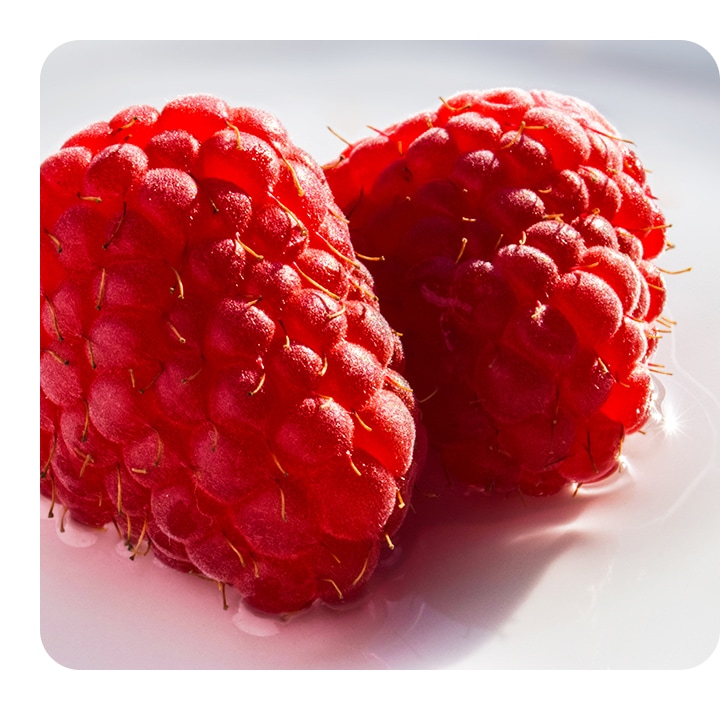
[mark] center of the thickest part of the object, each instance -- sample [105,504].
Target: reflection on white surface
[624,574]
[473,582]
[69,532]
[254,624]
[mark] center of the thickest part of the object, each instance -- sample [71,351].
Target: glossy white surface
[623,575]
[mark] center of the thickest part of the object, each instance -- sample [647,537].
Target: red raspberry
[216,377]
[517,234]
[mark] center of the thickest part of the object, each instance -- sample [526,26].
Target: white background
[626,577]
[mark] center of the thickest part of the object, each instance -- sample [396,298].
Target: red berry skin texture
[513,237]
[217,380]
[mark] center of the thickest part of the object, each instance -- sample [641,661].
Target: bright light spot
[671,420]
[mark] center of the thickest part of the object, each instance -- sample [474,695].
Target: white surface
[623,576]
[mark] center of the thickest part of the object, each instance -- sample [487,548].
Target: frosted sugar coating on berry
[516,234]
[217,379]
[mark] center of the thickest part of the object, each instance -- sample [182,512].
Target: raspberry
[513,234]
[216,378]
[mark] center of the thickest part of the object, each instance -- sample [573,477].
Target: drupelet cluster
[217,380]
[241,352]
[514,236]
